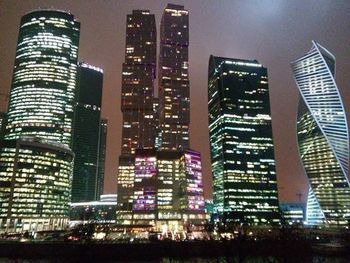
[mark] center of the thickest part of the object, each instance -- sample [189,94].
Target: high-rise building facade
[139,73]
[44,78]
[174,86]
[323,139]
[35,156]
[101,211]
[102,156]
[293,213]
[35,184]
[137,99]
[159,178]
[241,144]
[86,133]
[168,189]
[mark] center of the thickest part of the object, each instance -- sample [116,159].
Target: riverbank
[282,250]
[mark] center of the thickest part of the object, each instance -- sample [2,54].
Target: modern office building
[44,78]
[241,144]
[174,86]
[86,133]
[35,158]
[293,213]
[102,211]
[35,184]
[168,189]
[102,156]
[139,73]
[159,177]
[137,99]
[322,133]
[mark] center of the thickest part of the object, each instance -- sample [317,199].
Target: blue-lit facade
[322,134]
[241,144]
[101,211]
[293,213]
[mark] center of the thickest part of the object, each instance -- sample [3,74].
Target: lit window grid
[226,128]
[322,137]
[125,188]
[44,77]
[315,80]
[174,87]
[40,187]
[326,178]
[145,183]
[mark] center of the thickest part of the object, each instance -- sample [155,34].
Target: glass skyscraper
[137,99]
[139,73]
[159,178]
[174,86]
[323,137]
[35,157]
[35,184]
[86,133]
[241,144]
[44,78]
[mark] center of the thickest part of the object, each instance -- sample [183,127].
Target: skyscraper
[43,86]
[241,144]
[139,73]
[137,105]
[86,133]
[323,137]
[35,155]
[159,178]
[102,156]
[174,86]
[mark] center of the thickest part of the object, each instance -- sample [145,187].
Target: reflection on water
[315,259]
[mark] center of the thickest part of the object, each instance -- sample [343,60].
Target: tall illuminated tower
[323,137]
[139,73]
[43,84]
[86,133]
[174,86]
[35,156]
[241,144]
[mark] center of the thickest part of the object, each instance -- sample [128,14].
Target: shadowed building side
[86,133]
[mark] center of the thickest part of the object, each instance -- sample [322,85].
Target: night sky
[274,32]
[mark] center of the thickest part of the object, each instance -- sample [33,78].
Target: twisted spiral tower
[323,140]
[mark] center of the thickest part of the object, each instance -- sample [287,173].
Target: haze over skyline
[272,32]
